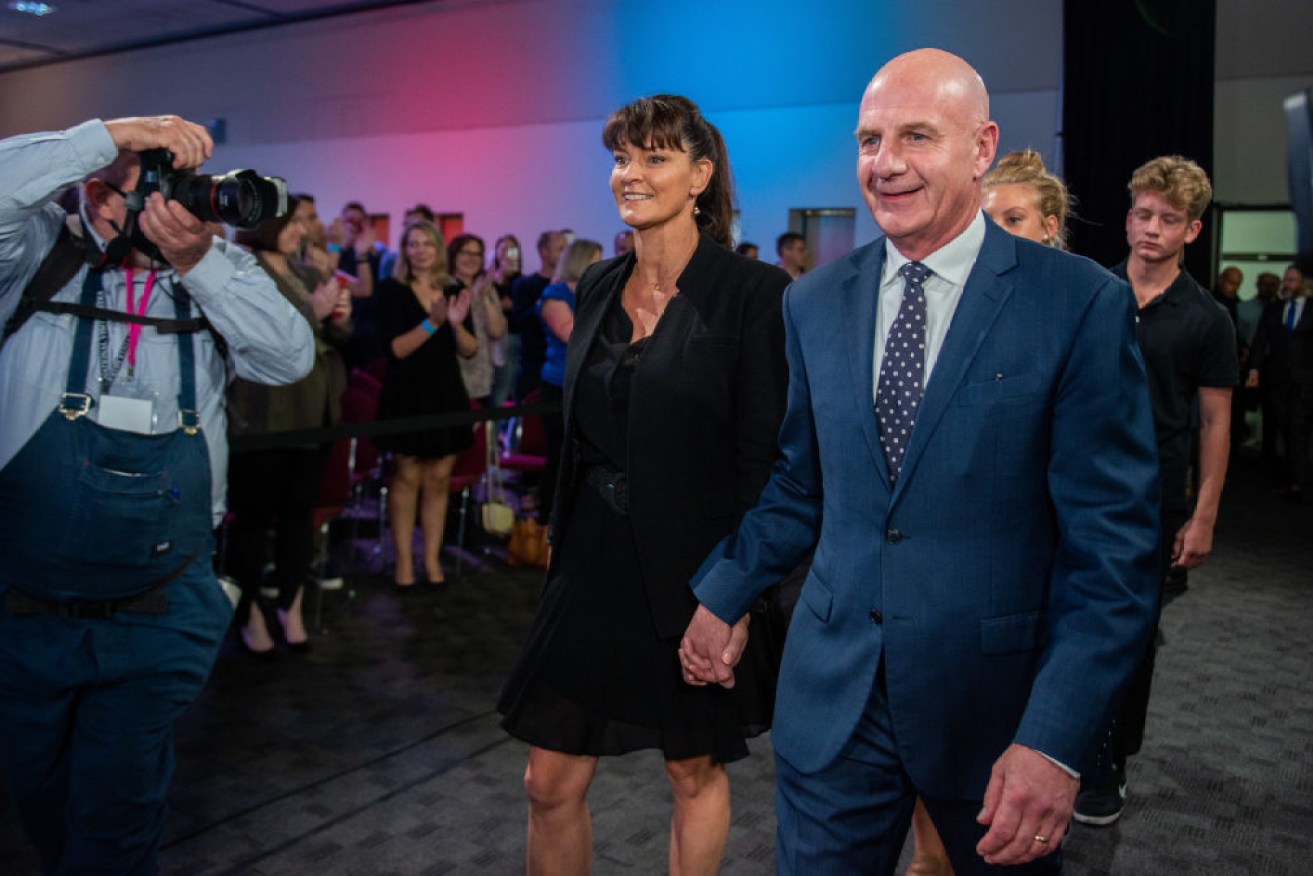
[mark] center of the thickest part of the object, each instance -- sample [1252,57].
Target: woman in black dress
[424,330]
[674,388]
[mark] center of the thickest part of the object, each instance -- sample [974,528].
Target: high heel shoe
[253,636]
[291,617]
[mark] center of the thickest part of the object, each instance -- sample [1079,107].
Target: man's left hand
[1027,806]
[1193,544]
[182,238]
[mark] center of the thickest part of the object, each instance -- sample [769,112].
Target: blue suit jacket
[1008,578]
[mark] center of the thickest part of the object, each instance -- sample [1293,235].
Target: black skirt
[594,678]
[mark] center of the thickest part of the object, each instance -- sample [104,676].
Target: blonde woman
[1026,200]
[424,325]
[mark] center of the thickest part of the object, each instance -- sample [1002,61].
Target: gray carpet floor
[379,753]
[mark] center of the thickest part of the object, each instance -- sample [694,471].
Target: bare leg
[560,837]
[699,823]
[929,858]
[401,513]
[433,512]
[293,623]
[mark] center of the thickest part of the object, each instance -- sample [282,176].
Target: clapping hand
[438,310]
[324,300]
[459,307]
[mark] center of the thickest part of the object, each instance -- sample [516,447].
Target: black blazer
[707,399]
[1280,355]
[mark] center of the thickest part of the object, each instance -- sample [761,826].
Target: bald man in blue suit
[969,448]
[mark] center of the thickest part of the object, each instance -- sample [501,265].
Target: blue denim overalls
[110,618]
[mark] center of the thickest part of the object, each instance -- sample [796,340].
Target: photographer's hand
[182,238]
[189,142]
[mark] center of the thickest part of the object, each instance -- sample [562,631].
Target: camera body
[240,198]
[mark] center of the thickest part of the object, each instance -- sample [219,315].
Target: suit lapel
[860,295]
[983,298]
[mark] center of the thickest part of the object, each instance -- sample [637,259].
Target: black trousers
[276,488]
[1126,736]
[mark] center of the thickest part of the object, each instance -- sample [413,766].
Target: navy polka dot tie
[902,372]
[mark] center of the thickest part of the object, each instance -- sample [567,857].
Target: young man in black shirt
[1189,348]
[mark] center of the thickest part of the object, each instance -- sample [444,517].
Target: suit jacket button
[893,536]
[876,617]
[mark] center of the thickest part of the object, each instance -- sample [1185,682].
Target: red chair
[334,495]
[527,451]
[469,468]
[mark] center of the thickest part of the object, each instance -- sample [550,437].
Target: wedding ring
[1042,840]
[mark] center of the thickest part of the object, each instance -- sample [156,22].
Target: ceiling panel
[88,27]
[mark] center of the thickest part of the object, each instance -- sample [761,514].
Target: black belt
[611,484]
[154,601]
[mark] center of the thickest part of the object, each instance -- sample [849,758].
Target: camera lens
[240,198]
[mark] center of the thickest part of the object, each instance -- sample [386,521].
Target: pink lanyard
[134,329]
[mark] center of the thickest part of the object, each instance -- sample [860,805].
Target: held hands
[182,238]
[189,142]
[711,649]
[1028,803]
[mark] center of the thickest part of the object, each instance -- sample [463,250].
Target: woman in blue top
[556,309]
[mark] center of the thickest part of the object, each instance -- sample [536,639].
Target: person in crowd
[673,388]
[465,255]
[1026,200]
[1189,350]
[556,309]
[524,318]
[982,504]
[505,271]
[748,250]
[1267,289]
[425,327]
[624,242]
[317,256]
[1226,292]
[387,264]
[277,488]
[351,238]
[1281,367]
[113,463]
[791,249]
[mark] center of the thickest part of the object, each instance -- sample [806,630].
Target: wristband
[333,247]
[427,326]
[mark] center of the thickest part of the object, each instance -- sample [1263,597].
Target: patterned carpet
[379,753]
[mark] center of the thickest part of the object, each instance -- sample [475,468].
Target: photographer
[113,461]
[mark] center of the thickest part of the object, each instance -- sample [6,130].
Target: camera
[240,198]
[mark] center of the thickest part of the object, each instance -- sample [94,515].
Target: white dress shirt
[951,264]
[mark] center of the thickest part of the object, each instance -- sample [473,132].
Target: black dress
[425,383]
[594,677]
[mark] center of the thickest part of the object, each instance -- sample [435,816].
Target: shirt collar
[952,262]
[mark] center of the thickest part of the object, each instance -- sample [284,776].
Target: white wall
[494,109]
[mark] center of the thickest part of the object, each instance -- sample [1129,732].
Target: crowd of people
[977,671]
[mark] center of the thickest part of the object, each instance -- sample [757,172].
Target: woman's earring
[696,211]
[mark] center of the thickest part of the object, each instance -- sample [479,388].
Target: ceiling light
[31,7]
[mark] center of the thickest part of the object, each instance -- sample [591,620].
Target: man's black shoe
[1101,805]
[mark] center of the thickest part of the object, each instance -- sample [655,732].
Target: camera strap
[60,265]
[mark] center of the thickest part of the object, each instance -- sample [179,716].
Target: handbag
[528,545]
[496,514]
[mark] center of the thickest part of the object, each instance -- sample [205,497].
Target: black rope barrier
[326,434]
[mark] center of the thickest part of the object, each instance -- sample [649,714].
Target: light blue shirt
[268,340]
